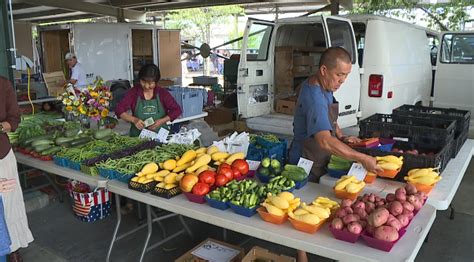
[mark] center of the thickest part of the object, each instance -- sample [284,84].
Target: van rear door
[339,32]
[255,76]
[454,77]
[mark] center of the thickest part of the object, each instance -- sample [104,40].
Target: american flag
[83,202]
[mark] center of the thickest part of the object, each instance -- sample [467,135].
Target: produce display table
[444,191]
[321,243]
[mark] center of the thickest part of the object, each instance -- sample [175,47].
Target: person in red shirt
[148,101]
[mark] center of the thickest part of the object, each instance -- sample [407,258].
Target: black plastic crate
[425,131]
[459,142]
[434,156]
[462,117]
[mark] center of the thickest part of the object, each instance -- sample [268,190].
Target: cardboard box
[165,82]
[212,245]
[286,105]
[303,60]
[219,116]
[241,126]
[263,255]
[54,82]
[302,70]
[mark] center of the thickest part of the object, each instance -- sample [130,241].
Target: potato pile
[382,218]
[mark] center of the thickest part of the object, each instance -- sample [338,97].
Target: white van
[454,78]
[391,66]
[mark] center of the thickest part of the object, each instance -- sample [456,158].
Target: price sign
[145,133]
[253,165]
[358,171]
[306,164]
[163,135]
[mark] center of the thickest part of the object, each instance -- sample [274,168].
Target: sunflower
[94,113]
[105,113]
[94,94]
[69,108]
[82,110]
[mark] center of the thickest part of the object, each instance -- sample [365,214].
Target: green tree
[442,16]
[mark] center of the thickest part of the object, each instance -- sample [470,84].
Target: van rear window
[457,49]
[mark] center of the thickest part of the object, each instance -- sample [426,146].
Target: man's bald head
[333,55]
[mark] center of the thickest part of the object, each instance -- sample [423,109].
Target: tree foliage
[440,16]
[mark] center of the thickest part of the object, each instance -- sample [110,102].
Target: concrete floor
[59,236]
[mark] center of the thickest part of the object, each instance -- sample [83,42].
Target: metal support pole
[150,230]
[451,216]
[5,45]
[119,219]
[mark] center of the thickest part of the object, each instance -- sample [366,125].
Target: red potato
[354,227]
[370,229]
[363,223]
[408,206]
[346,203]
[421,195]
[390,197]
[394,223]
[340,213]
[417,204]
[358,204]
[365,198]
[380,203]
[408,213]
[375,198]
[395,208]
[348,210]
[350,218]
[411,198]
[369,207]
[401,194]
[378,217]
[404,220]
[337,223]
[386,233]
[361,213]
[410,189]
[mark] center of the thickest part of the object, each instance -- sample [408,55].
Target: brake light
[375,85]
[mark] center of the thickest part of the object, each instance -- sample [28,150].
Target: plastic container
[389,173]
[124,178]
[264,179]
[90,170]
[60,161]
[190,100]
[195,198]
[344,235]
[380,244]
[241,178]
[251,173]
[248,212]
[107,173]
[342,194]
[337,173]
[369,179]
[367,142]
[386,144]
[270,217]
[423,188]
[300,184]
[216,204]
[144,188]
[166,193]
[74,165]
[305,227]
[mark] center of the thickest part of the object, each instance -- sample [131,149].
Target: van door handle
[348,107]
[244,71]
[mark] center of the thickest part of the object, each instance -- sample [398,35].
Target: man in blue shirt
[316,133]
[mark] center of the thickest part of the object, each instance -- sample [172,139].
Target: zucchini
[71,132]
[99,134]
[63,140]
[41,148]
[51,151]
[41,142]
[80,141]
[30,140]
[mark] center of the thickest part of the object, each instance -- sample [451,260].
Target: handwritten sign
[213,251]
[163,135]
[358,171]
[306,164]
[145,133]
[253,165]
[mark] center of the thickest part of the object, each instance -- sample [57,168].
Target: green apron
[146,109]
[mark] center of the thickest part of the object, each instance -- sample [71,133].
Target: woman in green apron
[151,106]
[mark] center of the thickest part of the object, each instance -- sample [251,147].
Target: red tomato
[236,173]
[227,172]
[221,180]
[222,166]
[201,189]
[241,165]
[208,177]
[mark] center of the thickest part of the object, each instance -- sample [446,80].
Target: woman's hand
[6,127]
[158,123]
[7,185]
[139,124]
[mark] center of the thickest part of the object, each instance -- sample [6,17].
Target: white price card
[163,135]
[253,165]
[145,133]
[306,164]
[215,252]
[358,171]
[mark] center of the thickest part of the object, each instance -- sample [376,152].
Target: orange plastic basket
[369,179]
[262,211]
[423,188]
[342,194]
[305,227]
[389,173]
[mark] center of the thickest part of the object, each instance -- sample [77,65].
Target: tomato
[236,173]
[208,177]
[201,189]
[221,180]
[227,172]
[222,166]
[241,165]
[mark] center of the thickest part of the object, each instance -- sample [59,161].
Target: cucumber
[294,175]
[41,148]
[71,132]
[51,151]
[63,140]
[79,141]
[41,142]
[30,140]
[99,134]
